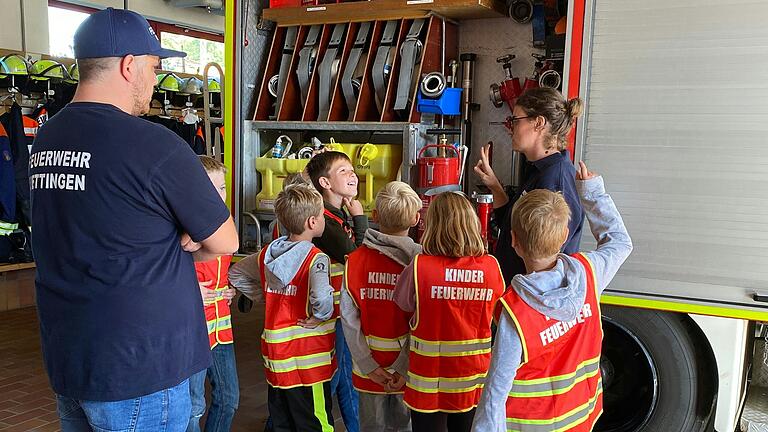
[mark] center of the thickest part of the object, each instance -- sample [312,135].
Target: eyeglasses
[510,121]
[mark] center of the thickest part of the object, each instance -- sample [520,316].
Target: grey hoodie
[283,260]
[558,293]
[401,250]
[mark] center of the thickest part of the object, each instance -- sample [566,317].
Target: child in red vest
[334,177]
[299,331]
[451,289]
[545,372]
[212,276]
[376,330]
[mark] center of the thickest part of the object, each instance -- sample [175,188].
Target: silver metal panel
[755,417]
[676,123]
[490,39]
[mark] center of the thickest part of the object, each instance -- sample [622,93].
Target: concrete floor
[27,402]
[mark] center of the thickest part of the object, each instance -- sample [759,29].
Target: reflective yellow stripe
[445,385]
[450,348]
[321,414]
[557,384]
[299,362]
[298,332]
[8,225]
[560,423]
[337,269]
[336,297]
[382,344]
[698,309]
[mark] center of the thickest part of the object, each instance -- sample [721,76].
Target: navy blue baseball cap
[118,33]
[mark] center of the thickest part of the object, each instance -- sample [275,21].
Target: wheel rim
[630,380]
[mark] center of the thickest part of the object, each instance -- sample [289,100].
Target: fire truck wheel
[657,373]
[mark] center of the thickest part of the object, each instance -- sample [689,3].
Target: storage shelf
[384,10]
[13,267]
[328,126]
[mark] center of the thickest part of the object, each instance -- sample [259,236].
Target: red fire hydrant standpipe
[508,90]
[484,211]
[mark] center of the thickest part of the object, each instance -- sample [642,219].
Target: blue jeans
[341,384]
[163,411]
[225,391]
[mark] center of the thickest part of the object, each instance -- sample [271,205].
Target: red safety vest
[558,385]
[30,130]
[217,313]
[293,355]
[450,344]
[370,280]
[337,268]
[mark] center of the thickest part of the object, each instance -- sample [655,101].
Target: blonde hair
[397,205]
[211,165]
[294,179]
[540,222]
[560,113]
[452,227]
[295,204]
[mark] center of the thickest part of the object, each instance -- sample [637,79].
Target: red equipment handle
[421,152]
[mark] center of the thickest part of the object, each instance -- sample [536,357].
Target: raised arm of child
[613,248]
[613,242]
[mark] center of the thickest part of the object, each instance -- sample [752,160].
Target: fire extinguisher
[437,174]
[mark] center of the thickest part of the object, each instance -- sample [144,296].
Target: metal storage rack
[260,136]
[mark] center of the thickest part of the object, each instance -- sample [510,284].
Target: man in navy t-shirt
[118,204]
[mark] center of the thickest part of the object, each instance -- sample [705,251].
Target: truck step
[755,415]
[759,368]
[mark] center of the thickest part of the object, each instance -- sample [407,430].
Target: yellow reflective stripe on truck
[692,308]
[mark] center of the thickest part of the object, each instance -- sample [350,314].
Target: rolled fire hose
[410,51]
[382,65]
[307,58]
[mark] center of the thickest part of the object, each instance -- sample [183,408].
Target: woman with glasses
[539,125]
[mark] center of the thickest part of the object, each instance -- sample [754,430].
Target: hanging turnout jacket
[7,186]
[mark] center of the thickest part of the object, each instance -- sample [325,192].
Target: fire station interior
[281,123]
[409,90]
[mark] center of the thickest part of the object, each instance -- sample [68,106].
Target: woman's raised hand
[483,168]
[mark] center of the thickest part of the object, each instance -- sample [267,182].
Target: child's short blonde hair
[452,227]
[295,204]
[295,178]
[397,206]
[211,165]
[540,222]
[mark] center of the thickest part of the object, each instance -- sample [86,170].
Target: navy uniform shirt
[118,300]
[556,173]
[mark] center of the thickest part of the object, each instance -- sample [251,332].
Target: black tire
[657,372]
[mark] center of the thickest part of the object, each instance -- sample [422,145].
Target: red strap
[333,216]
[347,228]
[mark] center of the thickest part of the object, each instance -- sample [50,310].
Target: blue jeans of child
[163,411]
[341,384]
[225,391]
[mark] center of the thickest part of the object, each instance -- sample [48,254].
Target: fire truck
[676,119]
